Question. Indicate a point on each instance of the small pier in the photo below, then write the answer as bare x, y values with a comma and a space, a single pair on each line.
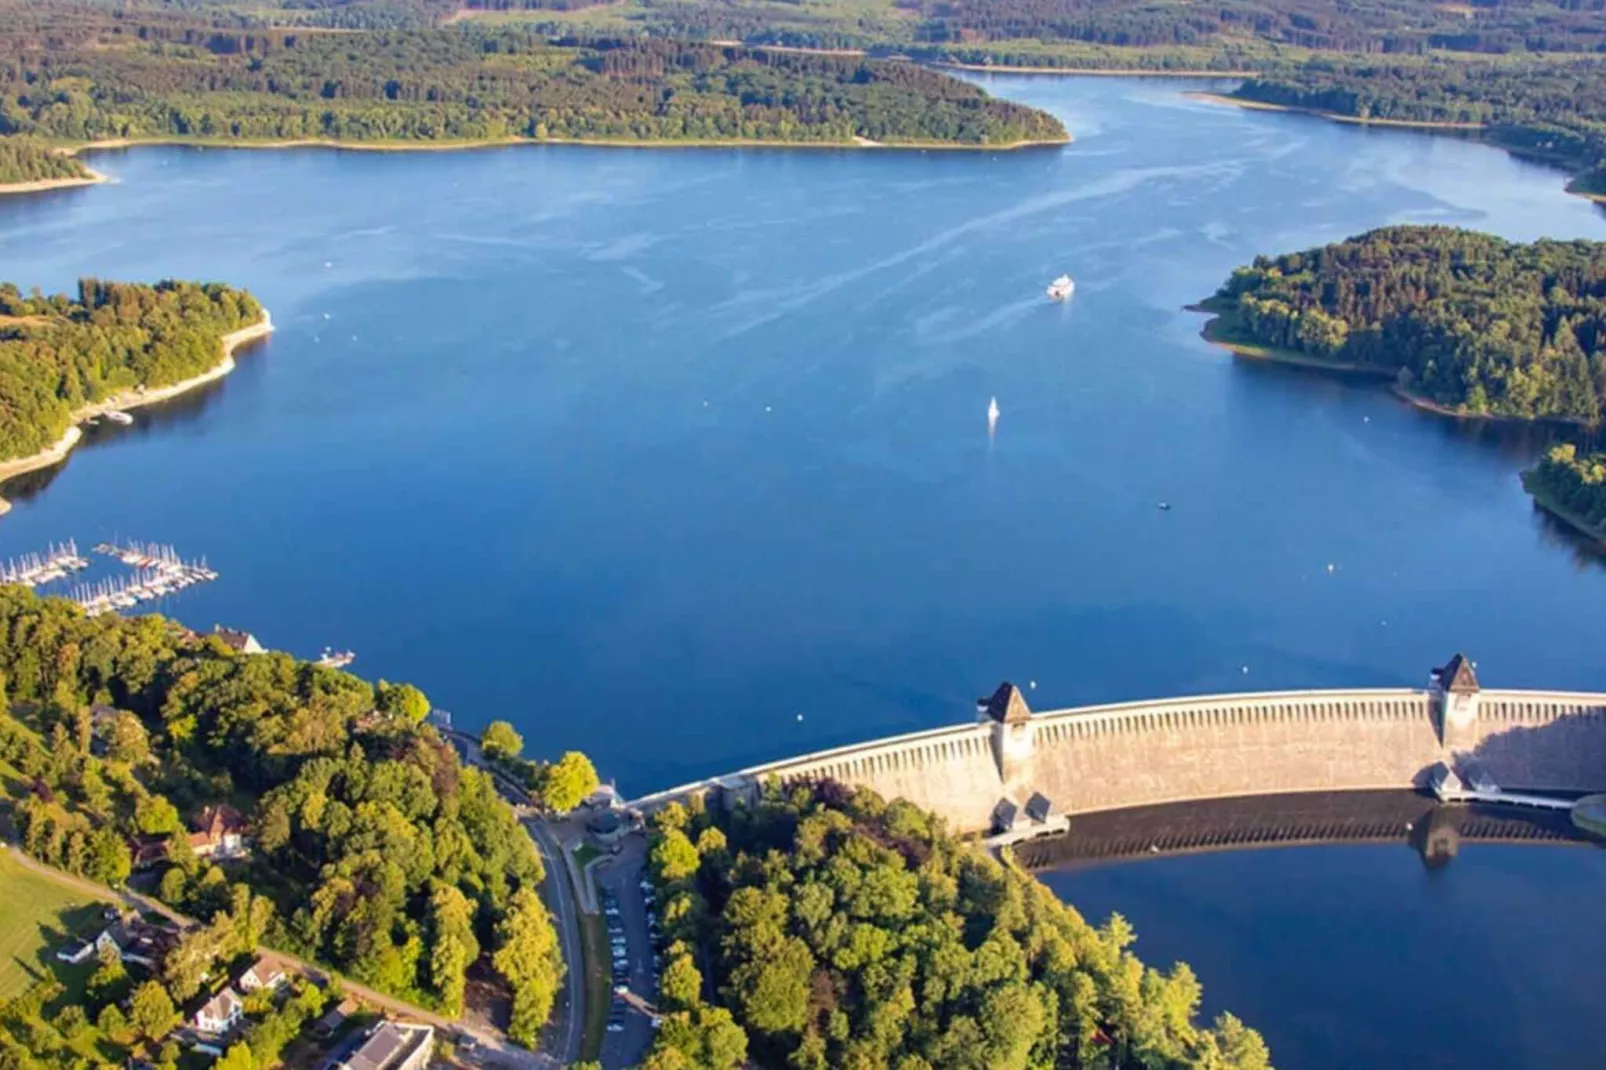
32, 570
335, 659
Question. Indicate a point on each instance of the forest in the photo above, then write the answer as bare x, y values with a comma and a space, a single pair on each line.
374, 848
475, 83
60, 352
842, 932
1572, 486
1553, 109
25, 159
1469, 322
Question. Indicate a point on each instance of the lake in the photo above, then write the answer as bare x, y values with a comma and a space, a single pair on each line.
681, 457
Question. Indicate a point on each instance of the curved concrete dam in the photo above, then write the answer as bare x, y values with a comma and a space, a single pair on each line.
1011, 766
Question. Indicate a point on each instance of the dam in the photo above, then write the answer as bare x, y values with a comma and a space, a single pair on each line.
1011, 768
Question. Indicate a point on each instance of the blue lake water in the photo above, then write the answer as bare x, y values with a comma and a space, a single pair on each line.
681, 456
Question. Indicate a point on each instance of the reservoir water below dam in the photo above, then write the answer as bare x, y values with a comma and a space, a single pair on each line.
681, 457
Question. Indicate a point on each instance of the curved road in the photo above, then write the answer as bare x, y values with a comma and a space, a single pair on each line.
571, 1008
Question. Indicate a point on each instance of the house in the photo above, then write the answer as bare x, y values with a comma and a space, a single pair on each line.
326, 1026
147, 851
134, 941
220, 1013
75, 951
218, 832
239, 642
392, 1046
262, 974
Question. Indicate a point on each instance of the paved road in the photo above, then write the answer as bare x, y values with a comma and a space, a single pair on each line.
571, 1009
621, 876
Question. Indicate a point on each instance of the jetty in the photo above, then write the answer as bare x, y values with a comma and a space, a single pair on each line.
335, 659
32, 570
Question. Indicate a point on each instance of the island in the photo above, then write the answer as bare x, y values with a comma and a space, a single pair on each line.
65, 360
824, 927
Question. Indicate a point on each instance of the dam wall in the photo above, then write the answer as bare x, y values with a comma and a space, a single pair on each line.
1012, 766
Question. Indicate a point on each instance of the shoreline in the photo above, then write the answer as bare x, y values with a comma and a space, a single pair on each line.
94, 178
1560, 512
1333, 116
131, 399
856, 143
1091, 72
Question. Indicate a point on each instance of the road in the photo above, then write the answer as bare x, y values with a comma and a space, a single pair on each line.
621, 876
571, 1008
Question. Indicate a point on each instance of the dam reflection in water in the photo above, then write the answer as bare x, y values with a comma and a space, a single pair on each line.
1434, 830
1365, 946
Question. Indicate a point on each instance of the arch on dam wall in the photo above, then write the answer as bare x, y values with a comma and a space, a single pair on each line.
1012, 766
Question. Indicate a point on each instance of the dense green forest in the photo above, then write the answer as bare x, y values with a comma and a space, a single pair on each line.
474, 83
1555, 109
60, 352
1467, 321
375, 848
1573, 486
24, 159
846, 933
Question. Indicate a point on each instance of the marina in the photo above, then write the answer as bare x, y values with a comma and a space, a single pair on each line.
32, 570
158, 571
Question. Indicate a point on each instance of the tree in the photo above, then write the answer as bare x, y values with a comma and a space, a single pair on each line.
673, 856
402, 700
72, 1021
151, 1012
108, 859
107, 983
568, 782
110, 1021
238, 1057
191, 959
681, 985
500, 741
527, 956
126, 739
154, 815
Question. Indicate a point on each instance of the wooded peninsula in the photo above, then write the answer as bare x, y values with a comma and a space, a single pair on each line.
843, 932
1464, 322
59, 353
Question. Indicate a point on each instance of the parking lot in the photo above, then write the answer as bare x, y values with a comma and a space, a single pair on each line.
629, 911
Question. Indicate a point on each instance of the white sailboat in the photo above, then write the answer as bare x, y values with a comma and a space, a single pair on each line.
1061, 288
992, 416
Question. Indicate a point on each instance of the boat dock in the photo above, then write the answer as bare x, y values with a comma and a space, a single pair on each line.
335, 659
32, 570
158, 572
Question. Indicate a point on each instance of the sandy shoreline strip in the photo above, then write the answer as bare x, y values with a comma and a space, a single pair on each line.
1090, 72
94, 178
132, 399
613, 143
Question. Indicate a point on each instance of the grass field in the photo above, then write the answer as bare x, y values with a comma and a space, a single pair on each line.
38, 915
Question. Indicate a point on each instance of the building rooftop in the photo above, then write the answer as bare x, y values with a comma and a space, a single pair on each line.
1006, 706
389, 1045
1457, 676
244, 642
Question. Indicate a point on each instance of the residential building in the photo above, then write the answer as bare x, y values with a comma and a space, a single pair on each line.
220, 1013
218, 832
75, 951
241, 642
392, 1046
262, 974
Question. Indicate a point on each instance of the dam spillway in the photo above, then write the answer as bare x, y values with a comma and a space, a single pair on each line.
1011, 761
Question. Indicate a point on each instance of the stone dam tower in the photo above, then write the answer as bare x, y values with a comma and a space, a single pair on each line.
1010, 764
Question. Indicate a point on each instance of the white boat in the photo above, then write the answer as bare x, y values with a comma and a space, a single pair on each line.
992, 415
1061, 288
117, 416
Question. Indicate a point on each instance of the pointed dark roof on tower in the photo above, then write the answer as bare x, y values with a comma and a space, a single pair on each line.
1457, 676
1007, 706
